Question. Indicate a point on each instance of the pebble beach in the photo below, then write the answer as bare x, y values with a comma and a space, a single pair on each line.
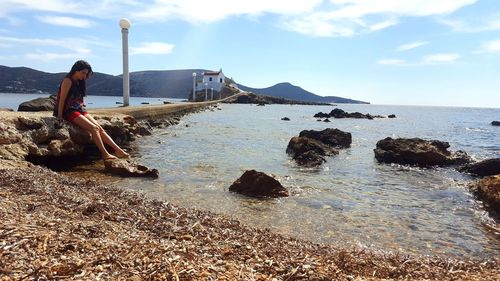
59, 227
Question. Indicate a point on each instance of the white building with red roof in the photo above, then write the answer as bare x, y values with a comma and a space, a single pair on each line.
211, 80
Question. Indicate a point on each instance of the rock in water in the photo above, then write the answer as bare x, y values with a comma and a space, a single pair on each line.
310, 146
127, 168
258, 184
488, 190
39, 104
329, 136
309, 152
484, 168
419, 152
495, 123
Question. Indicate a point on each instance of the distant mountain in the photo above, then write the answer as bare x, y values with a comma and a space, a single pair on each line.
289, 91
164, 83
27, 80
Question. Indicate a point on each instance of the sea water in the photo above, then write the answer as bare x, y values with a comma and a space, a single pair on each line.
12, 101
351, 199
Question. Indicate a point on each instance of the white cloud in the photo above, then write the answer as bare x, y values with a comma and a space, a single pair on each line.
359, 16
391, 62
490, 47
78, 44
8, 6
314, 17
413, 45
91, 8
361, 8
45, 57
425, 60
317, 26
13, 41
214, 10
66, 21
473, 27
383, 24
152, 48
317, 18
440, 58
78, 47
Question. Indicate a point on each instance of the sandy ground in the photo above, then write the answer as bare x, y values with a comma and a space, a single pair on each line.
59, 227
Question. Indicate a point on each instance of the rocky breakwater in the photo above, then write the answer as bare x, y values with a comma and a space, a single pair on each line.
38, 136
339, 113
310, 147
251, 98
416, 151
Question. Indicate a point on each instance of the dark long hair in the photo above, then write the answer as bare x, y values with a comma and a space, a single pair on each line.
81, 85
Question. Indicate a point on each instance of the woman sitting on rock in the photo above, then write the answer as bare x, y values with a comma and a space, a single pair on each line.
70, 106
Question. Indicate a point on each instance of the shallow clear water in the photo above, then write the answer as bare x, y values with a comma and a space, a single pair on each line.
12, 101
351, 199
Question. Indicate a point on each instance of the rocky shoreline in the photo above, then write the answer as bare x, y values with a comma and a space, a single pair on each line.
56, 227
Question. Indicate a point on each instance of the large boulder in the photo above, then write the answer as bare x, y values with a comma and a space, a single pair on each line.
127, 168
310, 146
488, 190
309, 159
329, 136
416, 151
38, 104
300, 145
258, 184
484, 168
309, 152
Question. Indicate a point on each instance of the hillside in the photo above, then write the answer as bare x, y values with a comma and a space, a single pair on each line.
289, 91
164, 83
27, 80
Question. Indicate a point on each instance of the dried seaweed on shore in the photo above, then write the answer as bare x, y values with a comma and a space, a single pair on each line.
57, 227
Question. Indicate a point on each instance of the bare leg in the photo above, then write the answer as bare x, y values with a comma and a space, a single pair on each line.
107, 139
88, 126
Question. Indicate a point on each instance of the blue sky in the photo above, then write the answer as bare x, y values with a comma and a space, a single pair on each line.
403, 52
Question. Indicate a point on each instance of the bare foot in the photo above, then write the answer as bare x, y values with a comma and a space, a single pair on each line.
109, 157
122, 154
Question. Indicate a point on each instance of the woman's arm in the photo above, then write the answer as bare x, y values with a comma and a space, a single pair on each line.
65, 86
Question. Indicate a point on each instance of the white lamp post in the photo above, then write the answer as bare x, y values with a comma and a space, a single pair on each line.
125, 25
206, 90
212, 95
194, 86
